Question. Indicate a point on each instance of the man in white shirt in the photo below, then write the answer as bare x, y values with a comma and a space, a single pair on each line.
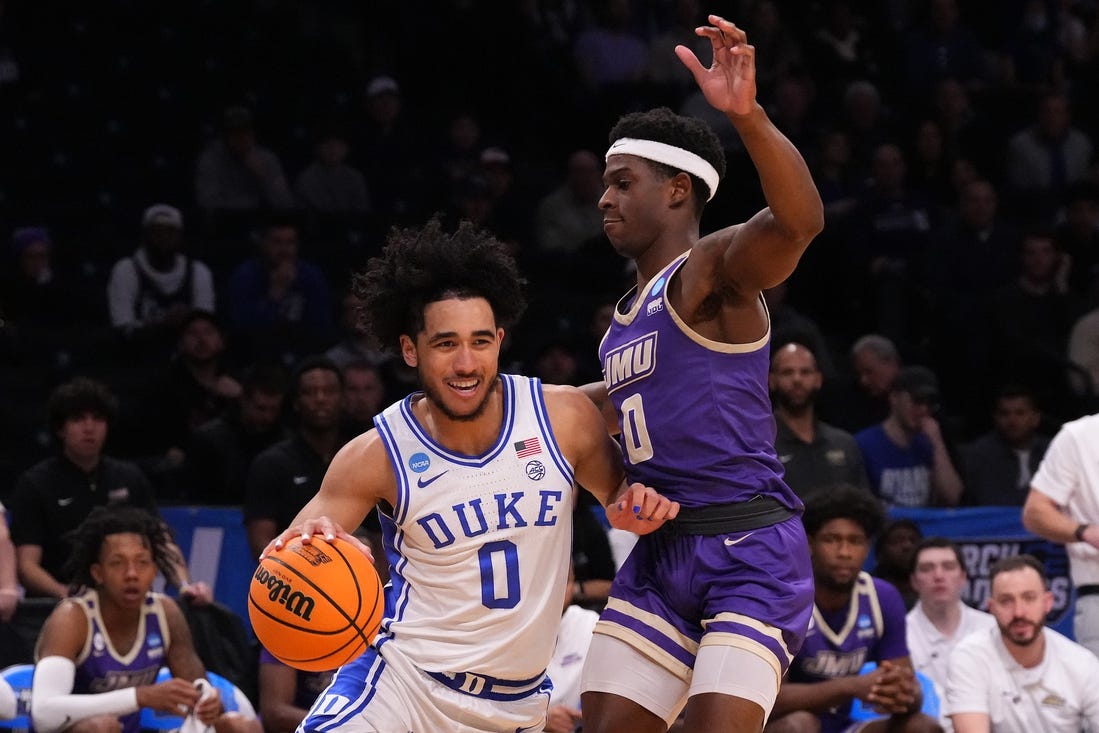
1021, 677
150, 292
940, 619
1063, 506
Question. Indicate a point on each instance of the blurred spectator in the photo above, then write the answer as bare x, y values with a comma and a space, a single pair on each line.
997, 467
569, 215
839, 51
1078, 237
34, 294
512, 209
665, 68
284, 477
940, 47
813, 453
790, 109
1047, 156
1030, 320
971, 257
773, 40
198, 386
866, 121
329, 185
967, 130
387, 147
930, 163
279, 304
906, 457
355, 343
54, 496
236, 173
790, 324
555, 360
875, 362
286, 694
894, 554
151, 291
363, 396
458, 156
610, 52
1083, 353
939, 619
890, 230
221, 450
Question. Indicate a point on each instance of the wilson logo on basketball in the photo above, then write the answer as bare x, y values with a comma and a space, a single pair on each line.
280, 592
311, 554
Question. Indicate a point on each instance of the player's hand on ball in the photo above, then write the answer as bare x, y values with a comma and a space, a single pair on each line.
321, 526
641, 509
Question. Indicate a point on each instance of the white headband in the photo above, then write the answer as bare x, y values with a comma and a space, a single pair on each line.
677, 158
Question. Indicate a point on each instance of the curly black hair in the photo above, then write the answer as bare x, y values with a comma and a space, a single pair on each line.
87, 541
843, 501
662, 125
420, 266
78, 396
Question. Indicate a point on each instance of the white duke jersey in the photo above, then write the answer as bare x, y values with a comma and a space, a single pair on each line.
478, 546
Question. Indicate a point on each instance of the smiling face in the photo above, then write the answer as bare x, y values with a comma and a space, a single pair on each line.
456, 355
125, 569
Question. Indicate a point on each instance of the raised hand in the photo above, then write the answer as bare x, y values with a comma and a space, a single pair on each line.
729, 84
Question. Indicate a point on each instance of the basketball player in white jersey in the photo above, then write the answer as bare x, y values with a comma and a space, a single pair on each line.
474, 478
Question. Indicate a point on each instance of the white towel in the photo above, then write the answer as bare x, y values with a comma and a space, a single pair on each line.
191, 724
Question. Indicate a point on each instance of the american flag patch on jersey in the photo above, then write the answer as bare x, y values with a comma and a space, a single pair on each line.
528, 447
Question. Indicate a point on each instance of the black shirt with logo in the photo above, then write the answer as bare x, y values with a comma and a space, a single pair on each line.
54, 496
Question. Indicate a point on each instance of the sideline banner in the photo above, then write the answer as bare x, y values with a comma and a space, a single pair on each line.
985, 534
216, 547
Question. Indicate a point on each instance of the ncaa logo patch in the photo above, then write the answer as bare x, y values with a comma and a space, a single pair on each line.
657, 286
419, 462
536, 470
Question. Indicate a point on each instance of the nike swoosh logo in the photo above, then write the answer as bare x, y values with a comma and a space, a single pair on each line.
65, 502
730, 543
422, 482
299, 480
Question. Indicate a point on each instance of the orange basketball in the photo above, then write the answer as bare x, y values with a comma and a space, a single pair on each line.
315, 606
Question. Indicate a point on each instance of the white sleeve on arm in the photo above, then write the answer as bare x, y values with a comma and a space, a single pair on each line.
967, 681
55, 707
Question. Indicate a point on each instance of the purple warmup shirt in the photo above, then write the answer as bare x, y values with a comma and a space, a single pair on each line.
102, 668
695, 415
870, 629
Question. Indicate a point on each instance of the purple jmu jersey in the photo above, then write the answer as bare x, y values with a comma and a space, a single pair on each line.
694, 415
102, 668
870, 629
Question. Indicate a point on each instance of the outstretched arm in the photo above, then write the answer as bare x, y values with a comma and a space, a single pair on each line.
763, 251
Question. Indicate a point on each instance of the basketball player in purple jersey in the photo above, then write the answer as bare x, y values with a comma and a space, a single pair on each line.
707, 612
856, 619
100, 650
